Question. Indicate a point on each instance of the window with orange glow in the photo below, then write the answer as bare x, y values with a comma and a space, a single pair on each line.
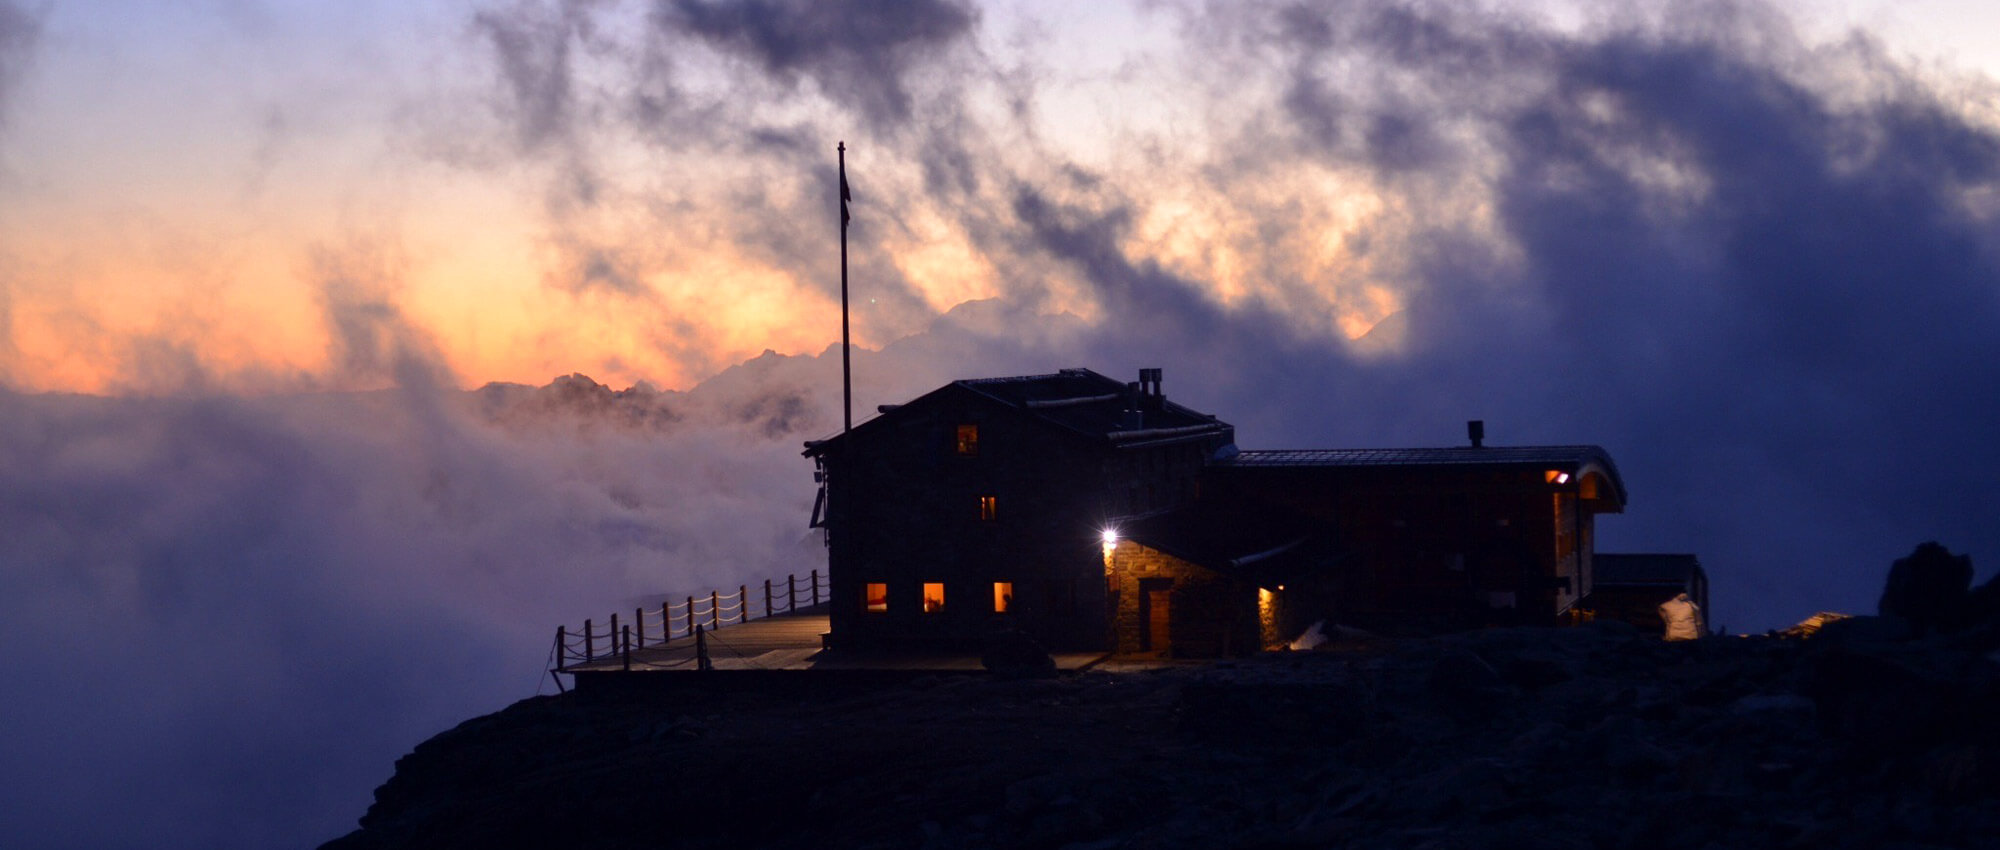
1003, 596
989, 508
968, 440
877, 596
933, 597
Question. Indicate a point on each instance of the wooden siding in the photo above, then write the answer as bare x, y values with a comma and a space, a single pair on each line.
905, 508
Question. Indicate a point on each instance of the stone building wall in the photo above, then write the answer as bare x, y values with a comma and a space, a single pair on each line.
1210, 614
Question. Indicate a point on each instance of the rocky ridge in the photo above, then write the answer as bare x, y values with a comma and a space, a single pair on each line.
1864, 735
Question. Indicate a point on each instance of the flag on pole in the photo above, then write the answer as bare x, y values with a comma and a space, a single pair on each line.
845, 195
846, 342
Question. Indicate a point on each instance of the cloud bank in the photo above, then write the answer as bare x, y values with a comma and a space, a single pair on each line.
230, 615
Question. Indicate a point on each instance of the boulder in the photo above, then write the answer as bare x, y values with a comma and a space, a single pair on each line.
1013, 654
1928, 588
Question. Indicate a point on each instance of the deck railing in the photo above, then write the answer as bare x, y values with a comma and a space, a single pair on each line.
616, 640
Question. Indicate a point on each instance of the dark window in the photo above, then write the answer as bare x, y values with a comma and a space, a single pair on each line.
968, 440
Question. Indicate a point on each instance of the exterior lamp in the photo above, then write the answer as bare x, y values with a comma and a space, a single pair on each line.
1111, 537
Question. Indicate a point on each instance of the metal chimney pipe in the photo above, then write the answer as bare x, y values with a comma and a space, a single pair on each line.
1476, 429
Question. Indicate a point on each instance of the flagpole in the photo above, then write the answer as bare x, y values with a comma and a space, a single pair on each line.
846, 347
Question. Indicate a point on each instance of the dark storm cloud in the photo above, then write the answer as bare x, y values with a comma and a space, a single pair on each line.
1757, 270
1142, 300
1383, 83
533, 49
572, 79
370, 340
538, 51
1824, 307
1769, 293
892, 64
859, 48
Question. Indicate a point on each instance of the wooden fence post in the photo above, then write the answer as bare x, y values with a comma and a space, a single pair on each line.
639, 617
743, 602
791, 592
767, 598
701, 661
628, 649
589, 651
562, 649
714, 609
815, 578
613, 634
666, 622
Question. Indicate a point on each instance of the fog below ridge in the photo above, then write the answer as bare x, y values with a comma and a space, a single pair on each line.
230, 615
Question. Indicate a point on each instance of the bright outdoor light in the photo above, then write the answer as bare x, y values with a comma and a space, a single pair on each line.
1111, 537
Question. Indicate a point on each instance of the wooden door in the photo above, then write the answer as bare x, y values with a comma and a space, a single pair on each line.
1155, 613
1157, 634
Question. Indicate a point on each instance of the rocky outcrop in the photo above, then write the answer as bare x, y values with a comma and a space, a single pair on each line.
1859, 732
1929, 589
1596, 736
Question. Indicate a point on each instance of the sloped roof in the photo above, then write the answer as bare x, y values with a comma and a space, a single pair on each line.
1089, 403
1081, 401
1566, 457
1453, 456
1263, 543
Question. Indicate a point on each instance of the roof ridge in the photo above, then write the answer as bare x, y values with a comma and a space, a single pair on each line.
1078, 372
1485, 448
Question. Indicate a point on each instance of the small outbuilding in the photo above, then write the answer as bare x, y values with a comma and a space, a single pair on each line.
1631, 587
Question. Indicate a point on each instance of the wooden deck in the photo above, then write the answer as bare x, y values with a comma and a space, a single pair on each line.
794, 642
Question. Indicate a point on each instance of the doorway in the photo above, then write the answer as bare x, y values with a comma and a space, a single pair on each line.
1155, 614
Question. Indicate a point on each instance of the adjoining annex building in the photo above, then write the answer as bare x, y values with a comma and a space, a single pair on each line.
1094, 514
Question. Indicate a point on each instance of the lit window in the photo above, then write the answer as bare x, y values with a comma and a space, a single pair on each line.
877, 596
1556, 476
968, 440
1003, 596
933, 597
988, 508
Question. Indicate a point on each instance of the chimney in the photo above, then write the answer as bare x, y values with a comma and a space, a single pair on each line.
1150, 394
1476, 429
1134, 417
1149, 380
